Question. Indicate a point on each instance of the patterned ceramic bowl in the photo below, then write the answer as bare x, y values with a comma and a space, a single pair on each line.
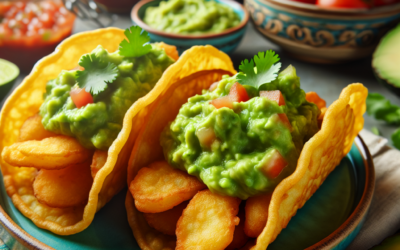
321, 35
226, 41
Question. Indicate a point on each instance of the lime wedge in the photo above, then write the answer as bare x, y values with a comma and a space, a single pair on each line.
8, 73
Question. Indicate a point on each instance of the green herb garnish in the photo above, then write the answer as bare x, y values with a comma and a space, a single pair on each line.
137, 44
266, 69
381, 108
96, 74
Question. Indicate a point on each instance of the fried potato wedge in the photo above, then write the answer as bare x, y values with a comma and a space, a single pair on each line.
160, 187
33, 129
50, 153
165, 222
239, 236
67, 187
99, 160
208, 222
256, 214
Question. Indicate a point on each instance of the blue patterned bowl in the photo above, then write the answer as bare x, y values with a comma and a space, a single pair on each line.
321, 35
226, 41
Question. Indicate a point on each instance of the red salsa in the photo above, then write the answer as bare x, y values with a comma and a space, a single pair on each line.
31, 30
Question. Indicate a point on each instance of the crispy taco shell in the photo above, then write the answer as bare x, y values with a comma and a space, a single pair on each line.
320, 155
25, 101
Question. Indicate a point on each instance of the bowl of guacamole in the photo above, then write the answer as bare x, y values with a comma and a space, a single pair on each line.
186, 23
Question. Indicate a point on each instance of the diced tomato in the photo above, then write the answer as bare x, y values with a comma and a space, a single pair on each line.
80, 97
206, 136
284, 119
213, 86
274, 166
222, 102
237, 93
274, 95
343, 3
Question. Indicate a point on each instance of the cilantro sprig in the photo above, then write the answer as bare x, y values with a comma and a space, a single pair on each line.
267, 69
97, 73
381, 108
137, 44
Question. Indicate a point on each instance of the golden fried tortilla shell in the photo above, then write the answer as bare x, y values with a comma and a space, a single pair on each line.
321, 154
25, 101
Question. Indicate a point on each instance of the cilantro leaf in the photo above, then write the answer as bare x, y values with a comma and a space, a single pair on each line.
266, 69
396, 138
137, 44
96, 75
381, 108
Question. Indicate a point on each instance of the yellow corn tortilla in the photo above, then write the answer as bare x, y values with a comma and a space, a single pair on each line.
27, 98
321, 154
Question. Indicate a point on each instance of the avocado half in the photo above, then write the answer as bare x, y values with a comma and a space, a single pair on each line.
386, 60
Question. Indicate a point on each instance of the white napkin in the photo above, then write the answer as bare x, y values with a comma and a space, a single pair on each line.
383, 218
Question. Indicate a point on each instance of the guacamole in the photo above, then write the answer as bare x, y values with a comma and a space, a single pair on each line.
97, 124
195, 17
244, 138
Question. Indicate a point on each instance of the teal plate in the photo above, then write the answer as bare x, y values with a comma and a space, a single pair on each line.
329, 220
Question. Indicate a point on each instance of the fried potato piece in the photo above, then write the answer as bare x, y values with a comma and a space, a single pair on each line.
50, 153
239, 237
99, 159
165, 222
159, 187
314, 98
33, 129
208, 222
170, 50
66, 187
256, 214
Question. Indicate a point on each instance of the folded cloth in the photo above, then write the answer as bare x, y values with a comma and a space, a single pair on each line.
383, 218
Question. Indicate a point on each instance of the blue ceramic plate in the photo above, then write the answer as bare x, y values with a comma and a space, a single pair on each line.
330, 219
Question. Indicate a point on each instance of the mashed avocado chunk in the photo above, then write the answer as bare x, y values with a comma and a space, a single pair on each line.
230, 149
194, 17
97, 124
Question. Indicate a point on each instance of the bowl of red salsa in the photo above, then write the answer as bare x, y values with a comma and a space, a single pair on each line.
31, 30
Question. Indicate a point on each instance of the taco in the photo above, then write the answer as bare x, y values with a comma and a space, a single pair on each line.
227, 167
68, 130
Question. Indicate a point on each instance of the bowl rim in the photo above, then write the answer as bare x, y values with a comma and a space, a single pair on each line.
395, 7
329, 241
137, 20
361, 210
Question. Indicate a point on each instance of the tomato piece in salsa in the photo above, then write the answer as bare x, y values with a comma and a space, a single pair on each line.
274, 166
31, 30
206, 137
80, 97
284, 119
274, 95
237, 93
